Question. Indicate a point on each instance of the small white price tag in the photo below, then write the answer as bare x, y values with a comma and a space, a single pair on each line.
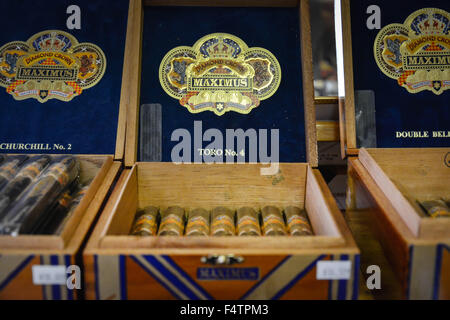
334, 270
49, 275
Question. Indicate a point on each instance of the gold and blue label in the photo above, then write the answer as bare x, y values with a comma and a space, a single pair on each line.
417, 52
50, 65
219, 73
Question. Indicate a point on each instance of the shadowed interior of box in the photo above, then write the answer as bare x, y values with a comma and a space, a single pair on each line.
409, 177
92, 172
209, 186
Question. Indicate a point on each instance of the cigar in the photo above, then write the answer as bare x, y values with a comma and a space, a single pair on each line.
55, 215
248, 222
9, 169
198, 223
172, 222
436, 208
2, 158
76, 199
273, 222
222, 222
297, 222
31, 208
145, 223
30, 170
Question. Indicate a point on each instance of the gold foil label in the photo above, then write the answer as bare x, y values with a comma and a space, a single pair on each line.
220, 74
50, 65
417, 52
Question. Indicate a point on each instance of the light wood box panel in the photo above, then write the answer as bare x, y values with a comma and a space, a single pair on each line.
417, 247
208, 186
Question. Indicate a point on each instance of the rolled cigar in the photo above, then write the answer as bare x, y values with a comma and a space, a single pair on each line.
172, 222
32, 207
297, 222
273, 222
76, 199
9, 169
222, 222
55, 215
248, 222
198, 223
436, 208
2, 158
30, 170
145, 223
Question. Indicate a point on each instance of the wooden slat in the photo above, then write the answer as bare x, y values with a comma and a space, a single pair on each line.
223, 3
325, 100
279, 243
308, 84
133, 71
327, 131
349, 107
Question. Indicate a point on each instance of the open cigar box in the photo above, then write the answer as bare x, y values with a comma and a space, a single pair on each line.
272, 37
395, 110
61, 80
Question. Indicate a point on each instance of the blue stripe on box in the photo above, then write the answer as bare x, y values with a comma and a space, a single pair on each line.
171, 277
155, 277
265, 278
56, 289
187, 277
16, 272
123, 278
297, 278
69, 292
342, 284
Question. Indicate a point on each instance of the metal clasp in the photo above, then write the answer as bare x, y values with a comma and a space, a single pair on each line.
216, 259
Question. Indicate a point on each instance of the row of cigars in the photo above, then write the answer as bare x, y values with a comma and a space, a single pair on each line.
221, 221
38, 194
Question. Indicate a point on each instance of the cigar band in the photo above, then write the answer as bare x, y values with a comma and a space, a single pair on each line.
6, 175
248, 220
144, 229
246, 231
145, 219
225, 230
8, 171
197, 222
65, 200
59, 174
273, 219
172, 219
295, 220
223, 220
440, 213
31, 171
272, 228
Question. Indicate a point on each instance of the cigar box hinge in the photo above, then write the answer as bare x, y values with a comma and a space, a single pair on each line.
229, 259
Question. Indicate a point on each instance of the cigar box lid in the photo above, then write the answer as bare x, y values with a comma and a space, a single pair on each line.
206, 71
394, 73
61, 68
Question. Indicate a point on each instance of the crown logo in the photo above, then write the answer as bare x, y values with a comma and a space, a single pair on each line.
52, 43
430, 24
221, 49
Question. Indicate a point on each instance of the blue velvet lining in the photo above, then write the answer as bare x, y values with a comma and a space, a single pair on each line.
89, 121
275, 29
396, 109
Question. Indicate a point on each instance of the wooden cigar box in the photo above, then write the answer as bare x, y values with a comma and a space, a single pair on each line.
45, 112
395, 112
120, 266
